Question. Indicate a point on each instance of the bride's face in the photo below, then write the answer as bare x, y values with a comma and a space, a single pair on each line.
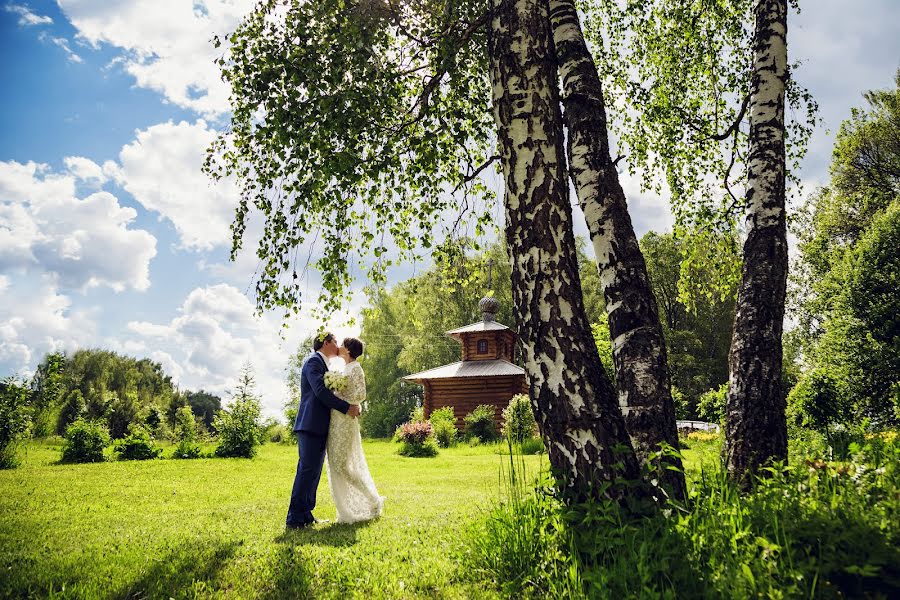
343, 353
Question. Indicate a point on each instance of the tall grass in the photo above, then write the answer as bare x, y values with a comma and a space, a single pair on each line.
814, 530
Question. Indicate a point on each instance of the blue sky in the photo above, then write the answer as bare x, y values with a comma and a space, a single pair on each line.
109, 234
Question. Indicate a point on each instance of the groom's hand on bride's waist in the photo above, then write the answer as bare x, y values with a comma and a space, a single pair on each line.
353, 411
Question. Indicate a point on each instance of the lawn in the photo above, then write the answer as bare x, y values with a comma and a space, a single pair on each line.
215, 527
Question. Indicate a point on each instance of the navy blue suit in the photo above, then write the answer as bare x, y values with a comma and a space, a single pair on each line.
311, 425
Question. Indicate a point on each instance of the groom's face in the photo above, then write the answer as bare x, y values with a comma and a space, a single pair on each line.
330, 348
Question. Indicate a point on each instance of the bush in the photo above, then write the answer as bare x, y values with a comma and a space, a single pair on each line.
85, 442
416, 439
532, 445
137, 445
186, 432
73, 407
518, 420
480, 424
711, 407
239, 430
15, 421
443, 422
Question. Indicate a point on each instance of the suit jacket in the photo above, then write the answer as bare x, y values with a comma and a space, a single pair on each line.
316, 400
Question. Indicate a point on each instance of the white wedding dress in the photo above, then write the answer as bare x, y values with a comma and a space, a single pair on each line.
352, 488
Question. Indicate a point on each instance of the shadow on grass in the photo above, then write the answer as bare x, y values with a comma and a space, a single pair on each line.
194, 565
336, 534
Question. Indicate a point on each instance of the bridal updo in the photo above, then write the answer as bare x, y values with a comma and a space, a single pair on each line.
354, 347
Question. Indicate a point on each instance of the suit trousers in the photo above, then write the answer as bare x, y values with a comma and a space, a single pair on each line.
311, 450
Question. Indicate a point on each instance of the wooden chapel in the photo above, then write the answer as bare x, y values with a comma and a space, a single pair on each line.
485, 375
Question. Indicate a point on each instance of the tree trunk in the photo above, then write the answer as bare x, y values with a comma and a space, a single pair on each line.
639, 350
572, 397
755, 425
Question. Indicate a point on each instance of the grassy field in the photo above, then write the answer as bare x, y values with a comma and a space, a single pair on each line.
215, 527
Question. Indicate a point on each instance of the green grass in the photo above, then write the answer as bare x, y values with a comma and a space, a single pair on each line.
215, 527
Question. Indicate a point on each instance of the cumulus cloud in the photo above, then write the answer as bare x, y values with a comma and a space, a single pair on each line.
161, 169
26, 17
84, 169
167, 43
36, 319
81, 242
215, 333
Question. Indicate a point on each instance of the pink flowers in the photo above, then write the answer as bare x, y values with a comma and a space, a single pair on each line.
415, 432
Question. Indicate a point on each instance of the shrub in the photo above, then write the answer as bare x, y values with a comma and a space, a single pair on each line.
823, 530
711, 407
480, 424
137, 445
443, 422
239, 430
281, 434
15, 421
703, 436
186, 432
518, 420
532, 445
85, 442
73, 407
416, 439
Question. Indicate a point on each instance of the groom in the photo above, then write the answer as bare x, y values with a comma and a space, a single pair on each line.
311, 427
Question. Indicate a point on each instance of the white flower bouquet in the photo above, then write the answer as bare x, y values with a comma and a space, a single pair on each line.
335, 382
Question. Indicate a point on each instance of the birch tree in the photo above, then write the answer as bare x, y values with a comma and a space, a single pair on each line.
365, 122
704, 95
573, 398
639, 350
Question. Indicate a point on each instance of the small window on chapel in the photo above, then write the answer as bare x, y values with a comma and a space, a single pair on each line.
482, 346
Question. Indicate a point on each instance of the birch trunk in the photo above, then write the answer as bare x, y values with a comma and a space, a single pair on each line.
639, 351
572, 397
755, 426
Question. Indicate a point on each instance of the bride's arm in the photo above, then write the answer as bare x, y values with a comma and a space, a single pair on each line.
357, 381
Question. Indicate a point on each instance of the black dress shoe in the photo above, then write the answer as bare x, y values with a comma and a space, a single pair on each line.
293, 526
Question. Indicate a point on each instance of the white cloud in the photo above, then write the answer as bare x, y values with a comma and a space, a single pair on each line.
215, 333
62, 43
84, 169
167, 43
34, 320
26, 17
161, 169
81, 242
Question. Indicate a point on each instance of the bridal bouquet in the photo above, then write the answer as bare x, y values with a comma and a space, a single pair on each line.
335, 381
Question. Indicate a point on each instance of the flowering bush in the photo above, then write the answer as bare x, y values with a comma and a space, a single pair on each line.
416, 439
703, 436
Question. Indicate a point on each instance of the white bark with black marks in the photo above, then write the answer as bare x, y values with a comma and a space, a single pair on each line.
755, 425
572, 397
639, 351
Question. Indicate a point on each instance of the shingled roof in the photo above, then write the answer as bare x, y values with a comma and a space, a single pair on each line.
469, 368
479, 326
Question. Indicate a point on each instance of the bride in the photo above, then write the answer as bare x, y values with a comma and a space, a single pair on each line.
352, 488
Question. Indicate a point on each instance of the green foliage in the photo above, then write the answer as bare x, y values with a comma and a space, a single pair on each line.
15, 420
844, 289
85, 441
518, 419
815, 530
187, 434
531, 445
392, 111
480, 424
239, 428
680, 100
417, 439
73, 407
121, 412
696, 299
600, 331
137, 445
48, 388
711, 407
817, 401
404, 326
443, 423
205, 406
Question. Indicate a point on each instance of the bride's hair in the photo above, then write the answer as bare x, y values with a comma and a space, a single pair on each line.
354, 347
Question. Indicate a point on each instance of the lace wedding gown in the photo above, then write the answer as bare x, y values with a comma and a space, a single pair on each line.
352, 488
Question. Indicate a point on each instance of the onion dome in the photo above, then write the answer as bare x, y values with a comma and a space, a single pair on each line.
489, 307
